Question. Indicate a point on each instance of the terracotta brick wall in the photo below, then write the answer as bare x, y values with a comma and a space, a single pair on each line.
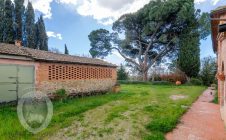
74, 78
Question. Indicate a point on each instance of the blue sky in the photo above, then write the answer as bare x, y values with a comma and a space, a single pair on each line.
71, 21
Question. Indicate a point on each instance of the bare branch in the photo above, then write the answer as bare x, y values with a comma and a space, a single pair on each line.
141, 42
161, 54
152, 37
126, 58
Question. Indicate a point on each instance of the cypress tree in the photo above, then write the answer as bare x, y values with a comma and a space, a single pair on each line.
1, 19
19, 10
8, 32
37, 42
30, 26
189, 53
65, 49
42, 38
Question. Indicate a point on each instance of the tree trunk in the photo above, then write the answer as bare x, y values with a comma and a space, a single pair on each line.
188, 79
145, 76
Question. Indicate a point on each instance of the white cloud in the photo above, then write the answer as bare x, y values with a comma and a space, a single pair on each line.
74, 2
107, 11
54, 35
213, 2
42, 6
199, 1
104, 11
115, 53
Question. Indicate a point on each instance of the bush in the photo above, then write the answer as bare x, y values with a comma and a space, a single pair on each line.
59, 94
174, 77
196, 82
145, 83
215, 100
156, 78
133, 82
161, 83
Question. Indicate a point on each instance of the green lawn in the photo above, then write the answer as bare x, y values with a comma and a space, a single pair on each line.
138, 112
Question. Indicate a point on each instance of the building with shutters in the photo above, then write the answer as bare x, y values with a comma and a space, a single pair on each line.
23, 68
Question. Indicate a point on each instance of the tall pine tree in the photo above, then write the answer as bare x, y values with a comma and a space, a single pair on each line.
1, 19
19, 11
30, 26
65, 49
8, 32
42, 38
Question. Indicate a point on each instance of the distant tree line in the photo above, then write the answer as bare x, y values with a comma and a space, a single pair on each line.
17, 22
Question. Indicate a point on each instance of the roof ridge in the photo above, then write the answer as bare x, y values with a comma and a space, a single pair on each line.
60, 53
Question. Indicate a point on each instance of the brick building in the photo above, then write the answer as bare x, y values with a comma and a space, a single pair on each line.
218, 23
23, 68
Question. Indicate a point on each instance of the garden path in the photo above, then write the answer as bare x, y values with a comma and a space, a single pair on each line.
201, 122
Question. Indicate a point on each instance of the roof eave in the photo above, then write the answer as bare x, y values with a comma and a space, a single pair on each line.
68, 62
214, 27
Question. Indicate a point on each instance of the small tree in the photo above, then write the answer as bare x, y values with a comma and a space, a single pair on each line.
208, 70
65, 49
122, 74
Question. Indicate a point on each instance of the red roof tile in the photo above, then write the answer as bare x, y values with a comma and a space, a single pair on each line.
39, 55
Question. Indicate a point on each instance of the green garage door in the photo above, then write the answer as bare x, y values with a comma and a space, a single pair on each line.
15, 81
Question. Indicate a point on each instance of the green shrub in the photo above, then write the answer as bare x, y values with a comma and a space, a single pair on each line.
196, 82
145, 83
61, 93
161, 83
133, 82
215, 100
156, 78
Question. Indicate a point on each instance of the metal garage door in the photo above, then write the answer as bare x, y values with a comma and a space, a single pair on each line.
14, 81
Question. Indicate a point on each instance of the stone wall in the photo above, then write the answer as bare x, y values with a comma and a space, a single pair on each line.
78, 86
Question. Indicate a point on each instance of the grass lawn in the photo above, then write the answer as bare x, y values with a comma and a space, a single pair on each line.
138, 112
